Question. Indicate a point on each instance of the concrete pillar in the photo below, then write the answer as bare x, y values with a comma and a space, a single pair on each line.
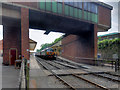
95, 41
11, 40
25, 32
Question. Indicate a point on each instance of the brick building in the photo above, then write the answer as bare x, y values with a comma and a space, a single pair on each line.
32, 45
1, 47
109, 36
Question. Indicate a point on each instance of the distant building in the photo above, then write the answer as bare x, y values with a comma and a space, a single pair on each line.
32, 44
108, 36
57, 48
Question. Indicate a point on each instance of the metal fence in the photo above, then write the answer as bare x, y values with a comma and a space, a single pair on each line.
24, 75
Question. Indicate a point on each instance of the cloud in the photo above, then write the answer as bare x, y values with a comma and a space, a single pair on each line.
41, 38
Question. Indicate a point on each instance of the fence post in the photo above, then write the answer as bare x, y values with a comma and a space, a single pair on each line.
116, 65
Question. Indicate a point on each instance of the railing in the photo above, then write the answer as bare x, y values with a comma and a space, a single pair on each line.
112, 63
24, 75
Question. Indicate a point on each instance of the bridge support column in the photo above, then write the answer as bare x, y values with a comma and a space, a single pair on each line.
25, 33
11, 44
95, 41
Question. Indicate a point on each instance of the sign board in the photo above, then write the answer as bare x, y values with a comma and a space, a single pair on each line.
98, 55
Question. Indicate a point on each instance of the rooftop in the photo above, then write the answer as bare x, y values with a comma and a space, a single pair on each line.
108, 34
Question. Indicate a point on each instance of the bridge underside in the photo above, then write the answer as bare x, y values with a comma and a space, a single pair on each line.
19, 28
50, 22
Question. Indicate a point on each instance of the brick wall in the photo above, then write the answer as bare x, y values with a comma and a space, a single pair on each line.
104, 16
25, 32
11, 39
1, 47
79, 48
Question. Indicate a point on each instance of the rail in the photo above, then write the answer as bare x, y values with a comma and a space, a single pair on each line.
59, 78
65, 82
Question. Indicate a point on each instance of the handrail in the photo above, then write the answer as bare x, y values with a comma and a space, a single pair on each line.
23, 76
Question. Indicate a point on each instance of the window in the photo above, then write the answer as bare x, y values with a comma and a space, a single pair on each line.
85, 15
75, 12
42, 5
94, 8
54, 7
66, 1
85, 6
59, 0
59, 8
75, 4
89, 16
80, 5
48, 6
89, 6
66, 10
71, 11
80, 13
71, 2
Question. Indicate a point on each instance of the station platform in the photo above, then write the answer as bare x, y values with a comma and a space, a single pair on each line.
9, 76
41, 78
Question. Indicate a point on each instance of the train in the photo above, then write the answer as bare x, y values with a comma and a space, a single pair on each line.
47, 53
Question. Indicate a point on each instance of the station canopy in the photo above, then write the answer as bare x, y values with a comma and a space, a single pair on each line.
32, 44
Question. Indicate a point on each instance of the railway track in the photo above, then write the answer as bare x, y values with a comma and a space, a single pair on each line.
112, 74
66, 83
59, 78
107, 76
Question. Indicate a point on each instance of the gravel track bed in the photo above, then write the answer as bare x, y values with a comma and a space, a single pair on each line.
77, 83
110, 76
58, 65
48, 65
59, 60
40, 64
101, 81
53, 82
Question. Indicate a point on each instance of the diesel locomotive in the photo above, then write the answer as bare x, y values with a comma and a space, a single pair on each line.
47, 53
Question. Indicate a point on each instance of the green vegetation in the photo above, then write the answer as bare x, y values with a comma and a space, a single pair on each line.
43, 46
108, 43
109, 47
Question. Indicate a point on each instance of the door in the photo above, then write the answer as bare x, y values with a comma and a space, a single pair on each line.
12, 56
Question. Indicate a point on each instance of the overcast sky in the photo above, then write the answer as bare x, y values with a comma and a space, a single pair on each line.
38, 35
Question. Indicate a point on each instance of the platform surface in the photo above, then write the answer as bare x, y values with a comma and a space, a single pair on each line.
10, 76
39, 77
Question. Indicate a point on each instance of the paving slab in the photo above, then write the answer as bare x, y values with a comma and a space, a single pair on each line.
10, 76
39, 77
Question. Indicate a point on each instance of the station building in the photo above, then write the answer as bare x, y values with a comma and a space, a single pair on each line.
109, 36
13, 51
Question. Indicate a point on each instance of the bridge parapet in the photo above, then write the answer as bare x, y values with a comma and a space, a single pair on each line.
92, 12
